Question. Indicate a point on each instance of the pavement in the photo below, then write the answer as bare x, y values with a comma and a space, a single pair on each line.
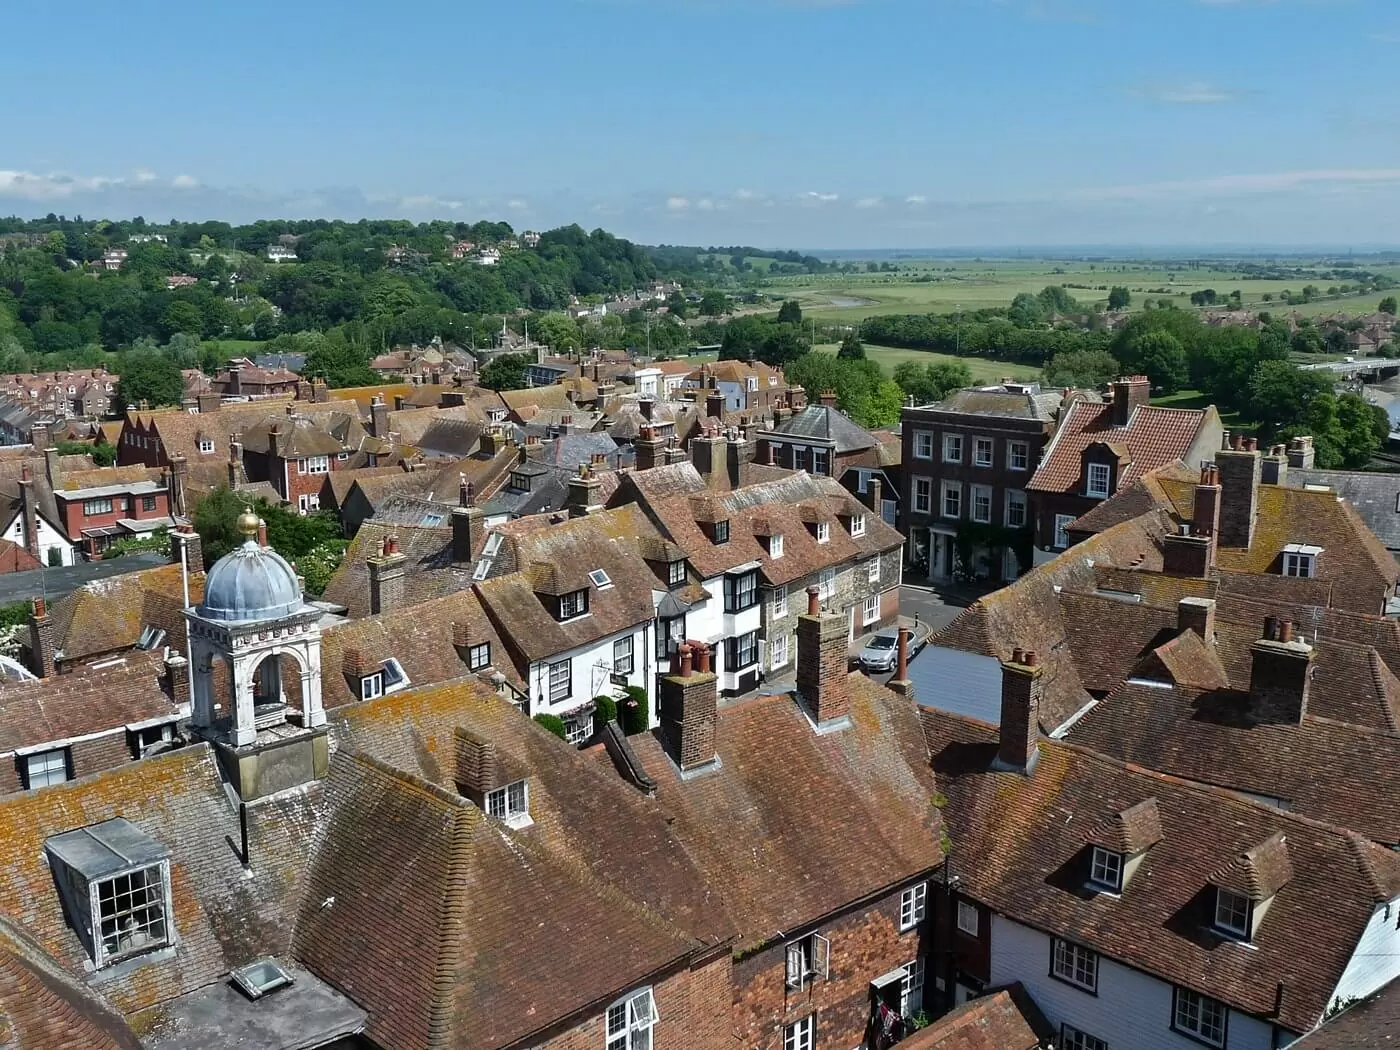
54, 583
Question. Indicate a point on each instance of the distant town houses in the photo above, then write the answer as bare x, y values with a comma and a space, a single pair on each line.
280, 253
114, 258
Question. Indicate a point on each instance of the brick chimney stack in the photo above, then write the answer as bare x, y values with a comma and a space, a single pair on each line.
388, 573
208, 402
1239, 498
875, 495
235, 462
41, 647
179, 475
828, 399
823, 682
714, 403
40, 437
1280, 674
1128, 393
1301, 454
379, 417
467, 520
1190, 552
1019, 746
649, 447
1197, 614
28, 511
686, 710
1273, 469
177, 670
585, 492
186, 539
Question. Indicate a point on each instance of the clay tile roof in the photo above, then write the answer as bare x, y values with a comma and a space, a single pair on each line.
1190, 661
43, 1008
1372, 1024
771, 761
1259, 872
1005, 1020
108, 615
432, 572
84, 702
1129, 831
1033, 825
1152, 438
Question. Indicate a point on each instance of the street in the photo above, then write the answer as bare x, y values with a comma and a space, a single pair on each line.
924, 605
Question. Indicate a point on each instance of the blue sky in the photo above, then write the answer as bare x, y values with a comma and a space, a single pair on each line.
781, 123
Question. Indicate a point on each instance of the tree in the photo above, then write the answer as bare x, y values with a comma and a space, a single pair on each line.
1082, 368
1026, 311
790, 312
149, 376
1387, 305
1347, 431
676, 305
1281, 394
714, 304
1119, 298
506, 372
879, 407
339, 364
1160, 356
851, 348
102, 455
933, 382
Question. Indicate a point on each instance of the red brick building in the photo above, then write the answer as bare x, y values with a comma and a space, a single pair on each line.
1101, 449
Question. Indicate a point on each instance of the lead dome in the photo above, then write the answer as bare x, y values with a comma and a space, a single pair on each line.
250, 583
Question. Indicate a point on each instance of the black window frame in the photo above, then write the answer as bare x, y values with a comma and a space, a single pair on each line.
675, 572
736, 660
732, 591
579, 596
475, 664
720, 531
663, 634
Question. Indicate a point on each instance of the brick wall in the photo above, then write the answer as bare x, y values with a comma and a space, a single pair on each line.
864, 945
693, 1006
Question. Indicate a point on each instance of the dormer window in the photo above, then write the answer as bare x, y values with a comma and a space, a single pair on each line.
823, 531
675, 572
115, 884
519, 482
1232, 914
390, 678
510, 804
573, 604
1300, 559
1106, 870
206, 446
775, 545
721, 531
858, 525
1099, 476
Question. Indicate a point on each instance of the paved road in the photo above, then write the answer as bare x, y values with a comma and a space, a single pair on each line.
56, 582
933, 610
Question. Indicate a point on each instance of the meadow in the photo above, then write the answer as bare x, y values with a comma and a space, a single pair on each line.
946, 286
984, 370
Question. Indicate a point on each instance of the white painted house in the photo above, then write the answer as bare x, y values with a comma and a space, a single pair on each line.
1146, 912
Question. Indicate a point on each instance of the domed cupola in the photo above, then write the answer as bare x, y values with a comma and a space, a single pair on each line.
253, 614
250, 583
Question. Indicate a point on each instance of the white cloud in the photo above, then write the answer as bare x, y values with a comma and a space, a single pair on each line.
144, 176
865, 203
677, 203
184, 182
820, 198
1186, 93
705, 204
26, 185
1272, 182
518, 205
916, 198
424, 200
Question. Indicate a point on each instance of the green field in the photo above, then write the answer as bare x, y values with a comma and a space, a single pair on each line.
231, 348
985, 371
1196, 399
944, 286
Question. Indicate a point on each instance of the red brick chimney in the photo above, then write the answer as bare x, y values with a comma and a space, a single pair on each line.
1280, 674
828, 399
1197, 614
41, 647
1240, 474
1128, 393
177, 670
28, 512
388, 574
686, 710
823, 681
1019, 748
901, 682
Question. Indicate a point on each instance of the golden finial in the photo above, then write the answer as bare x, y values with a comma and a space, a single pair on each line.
248, 523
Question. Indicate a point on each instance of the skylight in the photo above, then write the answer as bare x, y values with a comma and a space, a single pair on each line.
600, 579
261, 977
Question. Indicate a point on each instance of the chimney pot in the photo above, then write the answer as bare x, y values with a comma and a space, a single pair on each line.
262, 533
814, 601
686, 660
703, 652
1032, 658
1018, 655
1285, 631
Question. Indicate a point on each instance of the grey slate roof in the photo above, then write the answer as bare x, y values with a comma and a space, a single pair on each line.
1039, 405
1376, 497
830, 424
549, 486
573, 449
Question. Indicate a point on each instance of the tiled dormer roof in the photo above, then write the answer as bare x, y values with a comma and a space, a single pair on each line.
1161, 922
1153, 437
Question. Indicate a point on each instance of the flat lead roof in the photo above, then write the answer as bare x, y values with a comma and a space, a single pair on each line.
107, 848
